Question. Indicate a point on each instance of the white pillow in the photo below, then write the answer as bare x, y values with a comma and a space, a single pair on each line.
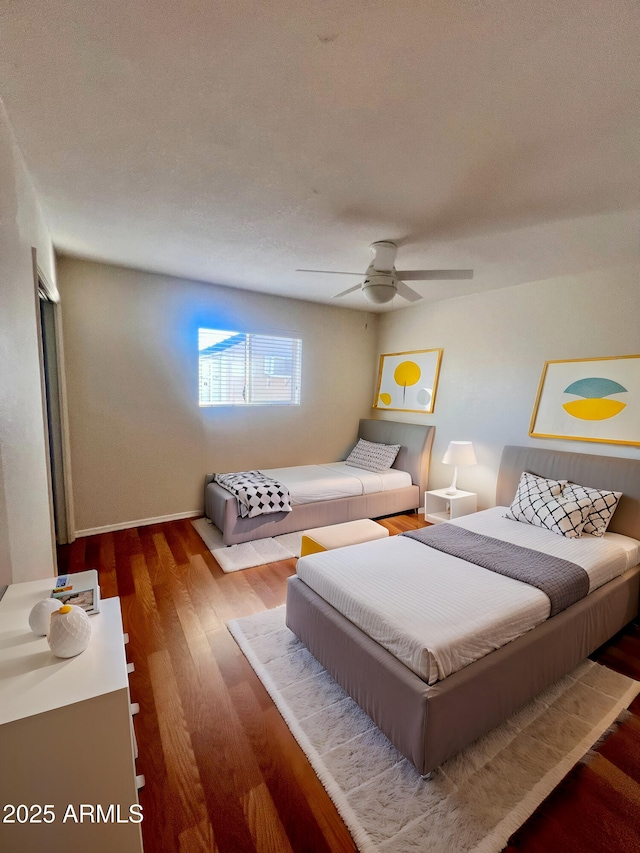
604, 505
372, 456
565, 514
529, 488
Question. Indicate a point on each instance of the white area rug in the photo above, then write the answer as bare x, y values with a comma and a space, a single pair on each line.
474, 801
234, 558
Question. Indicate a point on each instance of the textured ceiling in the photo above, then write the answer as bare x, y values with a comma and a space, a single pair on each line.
236, 141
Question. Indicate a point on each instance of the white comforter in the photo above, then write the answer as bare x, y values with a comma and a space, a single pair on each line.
310, 483
437, 613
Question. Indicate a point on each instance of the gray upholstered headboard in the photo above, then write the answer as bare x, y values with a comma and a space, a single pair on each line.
415, 442
604, 472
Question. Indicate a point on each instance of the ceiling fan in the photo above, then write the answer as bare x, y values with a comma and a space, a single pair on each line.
382, 281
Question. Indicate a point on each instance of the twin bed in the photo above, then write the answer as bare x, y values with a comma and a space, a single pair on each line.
333, 493
438, 650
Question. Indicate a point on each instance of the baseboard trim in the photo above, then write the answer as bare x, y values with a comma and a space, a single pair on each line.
141, 522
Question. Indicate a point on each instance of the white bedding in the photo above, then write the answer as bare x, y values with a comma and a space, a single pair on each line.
310, 483
437, 613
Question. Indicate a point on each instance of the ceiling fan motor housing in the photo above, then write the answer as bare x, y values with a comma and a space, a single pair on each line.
384, 256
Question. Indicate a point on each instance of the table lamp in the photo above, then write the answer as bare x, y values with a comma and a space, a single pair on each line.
459, 453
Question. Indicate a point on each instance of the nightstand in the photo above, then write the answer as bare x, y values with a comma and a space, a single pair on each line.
439, 506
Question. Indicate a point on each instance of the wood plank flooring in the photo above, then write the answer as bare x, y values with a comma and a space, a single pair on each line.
223, 773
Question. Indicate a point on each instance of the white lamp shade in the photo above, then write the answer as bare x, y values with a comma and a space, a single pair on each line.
459, 453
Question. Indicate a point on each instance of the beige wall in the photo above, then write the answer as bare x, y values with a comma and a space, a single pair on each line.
26, 541
140, 444
495, 345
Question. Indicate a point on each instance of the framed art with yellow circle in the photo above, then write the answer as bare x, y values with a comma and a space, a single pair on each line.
408, 381
593, 399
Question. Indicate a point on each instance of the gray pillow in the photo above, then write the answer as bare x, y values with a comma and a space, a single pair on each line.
372, 456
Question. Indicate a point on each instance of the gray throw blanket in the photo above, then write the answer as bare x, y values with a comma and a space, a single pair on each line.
562, 581
256, 493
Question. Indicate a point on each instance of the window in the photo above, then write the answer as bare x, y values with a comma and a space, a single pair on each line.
238, 369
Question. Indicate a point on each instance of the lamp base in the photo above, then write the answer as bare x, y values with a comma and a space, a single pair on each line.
453, 490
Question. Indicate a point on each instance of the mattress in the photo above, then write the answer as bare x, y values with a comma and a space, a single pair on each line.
437, 613
593, 553
311, 483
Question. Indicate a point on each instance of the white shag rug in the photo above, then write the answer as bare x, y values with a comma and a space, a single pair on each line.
473, 802
246, 555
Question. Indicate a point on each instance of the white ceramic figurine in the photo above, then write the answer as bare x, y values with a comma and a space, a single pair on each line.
70, 631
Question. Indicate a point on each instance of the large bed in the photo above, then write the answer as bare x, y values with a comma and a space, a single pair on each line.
415, 440
432, 706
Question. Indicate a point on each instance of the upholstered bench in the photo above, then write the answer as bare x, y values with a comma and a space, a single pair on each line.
339, 535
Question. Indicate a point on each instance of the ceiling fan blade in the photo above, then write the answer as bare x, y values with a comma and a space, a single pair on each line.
344, 292
434, 275
332, 272
407, 292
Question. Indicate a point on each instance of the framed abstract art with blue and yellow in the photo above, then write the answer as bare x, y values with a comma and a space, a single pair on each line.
594, 399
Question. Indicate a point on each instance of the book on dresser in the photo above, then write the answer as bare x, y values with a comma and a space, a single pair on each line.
81, 588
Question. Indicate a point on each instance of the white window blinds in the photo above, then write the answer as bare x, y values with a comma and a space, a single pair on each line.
238, 368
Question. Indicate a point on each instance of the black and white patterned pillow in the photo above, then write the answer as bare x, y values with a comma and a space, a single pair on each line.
563, 514
372, 456
530, 488
604, 504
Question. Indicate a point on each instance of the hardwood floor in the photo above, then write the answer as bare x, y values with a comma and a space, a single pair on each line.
223, 773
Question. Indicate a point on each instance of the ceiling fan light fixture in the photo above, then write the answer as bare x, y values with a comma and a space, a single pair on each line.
383, 281
379, 289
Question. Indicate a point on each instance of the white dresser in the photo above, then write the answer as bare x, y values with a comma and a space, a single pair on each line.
66, 736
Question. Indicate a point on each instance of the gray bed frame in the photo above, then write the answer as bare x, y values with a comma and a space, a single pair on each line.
429, 724
415, 441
